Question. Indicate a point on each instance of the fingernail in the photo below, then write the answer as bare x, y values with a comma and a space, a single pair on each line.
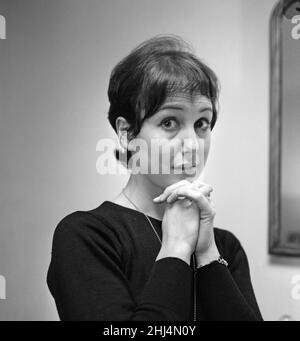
156, 199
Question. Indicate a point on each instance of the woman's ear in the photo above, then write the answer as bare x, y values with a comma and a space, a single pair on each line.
122, 127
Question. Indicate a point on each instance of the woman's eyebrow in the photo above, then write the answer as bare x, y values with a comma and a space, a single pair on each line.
180, 107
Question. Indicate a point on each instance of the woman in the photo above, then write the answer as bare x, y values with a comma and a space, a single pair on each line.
152, 253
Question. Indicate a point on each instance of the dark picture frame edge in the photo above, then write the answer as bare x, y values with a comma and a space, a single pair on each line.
276, 245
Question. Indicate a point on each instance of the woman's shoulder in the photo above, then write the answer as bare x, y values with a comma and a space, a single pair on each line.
96, 221
102, 214
83, 234
227, 243
226, 236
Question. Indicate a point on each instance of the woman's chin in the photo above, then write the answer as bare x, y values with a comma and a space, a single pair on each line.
191, 176
188, 173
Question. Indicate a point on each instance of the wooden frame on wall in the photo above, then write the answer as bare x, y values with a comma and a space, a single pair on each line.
277, 246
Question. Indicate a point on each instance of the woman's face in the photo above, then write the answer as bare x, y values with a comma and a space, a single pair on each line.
178, 133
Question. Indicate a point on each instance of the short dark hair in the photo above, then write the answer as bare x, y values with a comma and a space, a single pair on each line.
162, 66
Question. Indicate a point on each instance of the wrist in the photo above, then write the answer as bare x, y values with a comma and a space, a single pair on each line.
210, 255
182, 252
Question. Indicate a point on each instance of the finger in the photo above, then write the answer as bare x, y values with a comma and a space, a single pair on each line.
199, 184
199, 196
187, 202
209, 195
172, 197
168, 190
205, 190
172, 193
210, 212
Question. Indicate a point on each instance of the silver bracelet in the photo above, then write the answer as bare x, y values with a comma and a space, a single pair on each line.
219, 260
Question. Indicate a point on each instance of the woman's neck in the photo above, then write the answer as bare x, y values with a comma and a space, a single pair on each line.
142, 192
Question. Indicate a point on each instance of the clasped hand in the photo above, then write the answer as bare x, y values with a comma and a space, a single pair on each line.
198, 192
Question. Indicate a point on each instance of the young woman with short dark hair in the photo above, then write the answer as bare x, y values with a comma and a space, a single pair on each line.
152, 253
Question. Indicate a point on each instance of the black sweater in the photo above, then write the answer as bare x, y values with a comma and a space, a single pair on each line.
103, 268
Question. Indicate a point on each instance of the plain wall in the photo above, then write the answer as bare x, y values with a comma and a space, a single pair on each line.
54, 71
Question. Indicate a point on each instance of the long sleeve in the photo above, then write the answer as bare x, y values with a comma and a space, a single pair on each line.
226, 294
86, 278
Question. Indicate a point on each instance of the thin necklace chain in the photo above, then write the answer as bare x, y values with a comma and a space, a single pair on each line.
143, 214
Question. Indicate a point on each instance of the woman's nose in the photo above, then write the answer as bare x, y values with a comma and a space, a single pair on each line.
191, 145
190, 140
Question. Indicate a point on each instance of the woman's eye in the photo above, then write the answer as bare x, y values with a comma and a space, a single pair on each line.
172, 123
168, 123
206, 125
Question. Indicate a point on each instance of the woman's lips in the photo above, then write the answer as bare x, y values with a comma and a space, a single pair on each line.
186, 170
186, 166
